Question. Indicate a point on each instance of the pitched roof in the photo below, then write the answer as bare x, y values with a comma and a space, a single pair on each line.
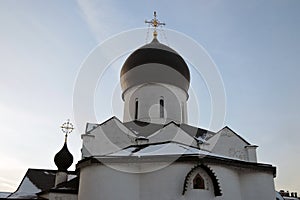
196, 132
35, 181
146, 129
165, 148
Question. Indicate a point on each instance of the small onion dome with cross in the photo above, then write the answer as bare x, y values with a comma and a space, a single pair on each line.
64, 159
155, 63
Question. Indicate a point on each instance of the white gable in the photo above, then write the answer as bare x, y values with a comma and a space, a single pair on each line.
227, 143
106, 138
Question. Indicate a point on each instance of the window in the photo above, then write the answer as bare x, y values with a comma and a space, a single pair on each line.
198, 182
136, 108
201, 179
182, 112
161, 106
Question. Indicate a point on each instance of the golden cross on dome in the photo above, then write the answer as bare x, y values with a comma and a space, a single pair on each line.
67, 128
155, 23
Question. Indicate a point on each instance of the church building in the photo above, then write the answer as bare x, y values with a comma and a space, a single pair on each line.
153, 152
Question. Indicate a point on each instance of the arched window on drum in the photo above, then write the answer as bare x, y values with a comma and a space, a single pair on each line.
136, 111
161, 107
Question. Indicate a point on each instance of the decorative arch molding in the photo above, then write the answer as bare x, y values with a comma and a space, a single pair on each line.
210, 173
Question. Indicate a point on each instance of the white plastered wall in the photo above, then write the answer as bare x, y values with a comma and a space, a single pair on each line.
148, 97
61, 196
99, 182
229, 144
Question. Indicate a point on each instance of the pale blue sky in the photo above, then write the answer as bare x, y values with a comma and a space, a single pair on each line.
255, 45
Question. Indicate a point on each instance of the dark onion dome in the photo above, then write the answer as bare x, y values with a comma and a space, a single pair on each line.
155, 63
63, 159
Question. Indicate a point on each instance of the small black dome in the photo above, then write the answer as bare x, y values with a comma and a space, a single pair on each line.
63, 159
155, 62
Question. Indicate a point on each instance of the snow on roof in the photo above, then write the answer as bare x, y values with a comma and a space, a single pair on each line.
35, 181
290, 198
165, 149
4, 194
71, 176
26, 190
169, 148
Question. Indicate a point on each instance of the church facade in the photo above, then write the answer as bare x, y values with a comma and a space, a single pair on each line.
153, 153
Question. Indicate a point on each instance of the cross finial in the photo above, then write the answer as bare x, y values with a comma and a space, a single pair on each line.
67, 128
155, 23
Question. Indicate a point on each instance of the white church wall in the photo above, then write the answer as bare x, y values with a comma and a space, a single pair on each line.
229, 182
244, 184
257, 185
166, 183
148, 97
227, 143
101, 182
98, 182
61, 196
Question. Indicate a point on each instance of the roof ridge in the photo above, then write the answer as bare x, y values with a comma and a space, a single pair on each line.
243, 139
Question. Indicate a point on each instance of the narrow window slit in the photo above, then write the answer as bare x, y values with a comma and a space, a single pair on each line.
162, 104
136, 109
